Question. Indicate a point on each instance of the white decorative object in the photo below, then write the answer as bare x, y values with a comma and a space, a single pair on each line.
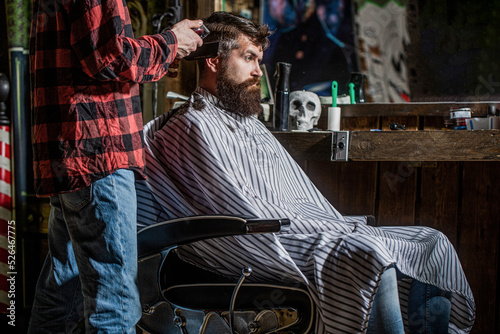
334, 118
305, 109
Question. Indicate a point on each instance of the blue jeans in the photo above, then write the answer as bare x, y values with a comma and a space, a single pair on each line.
385, 316
428, 308
92, 255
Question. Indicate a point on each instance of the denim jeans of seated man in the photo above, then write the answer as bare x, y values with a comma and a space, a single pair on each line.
428, 308
92, 253
385, 316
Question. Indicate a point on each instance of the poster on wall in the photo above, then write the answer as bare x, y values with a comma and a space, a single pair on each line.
383, 36
317, 37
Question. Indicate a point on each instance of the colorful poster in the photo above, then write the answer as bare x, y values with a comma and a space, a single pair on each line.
317, 38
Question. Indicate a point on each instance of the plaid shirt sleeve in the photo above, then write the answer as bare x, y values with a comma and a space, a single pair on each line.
99, 39
85, 69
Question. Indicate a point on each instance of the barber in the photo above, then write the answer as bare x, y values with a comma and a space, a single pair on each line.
86, 67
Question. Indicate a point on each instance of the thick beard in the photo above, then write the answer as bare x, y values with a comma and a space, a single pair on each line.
242, 99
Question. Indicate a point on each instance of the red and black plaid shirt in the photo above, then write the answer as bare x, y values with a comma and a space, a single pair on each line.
86, 68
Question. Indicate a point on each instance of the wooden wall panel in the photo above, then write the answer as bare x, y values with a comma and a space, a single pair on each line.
434, 123
350, 187
397, 193
359, 123
439, 198
461, 202
410, 123
479, 239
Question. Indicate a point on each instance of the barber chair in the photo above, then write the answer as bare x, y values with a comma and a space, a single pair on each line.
178, 297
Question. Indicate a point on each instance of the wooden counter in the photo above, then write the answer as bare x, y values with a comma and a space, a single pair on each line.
460, 145
424, 139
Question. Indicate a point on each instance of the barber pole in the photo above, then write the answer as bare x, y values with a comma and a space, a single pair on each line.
15, 141
5, 195
5, 214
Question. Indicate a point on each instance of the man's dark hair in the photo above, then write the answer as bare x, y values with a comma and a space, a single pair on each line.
227, 28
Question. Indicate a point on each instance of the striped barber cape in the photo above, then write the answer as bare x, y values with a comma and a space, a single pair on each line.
203, 159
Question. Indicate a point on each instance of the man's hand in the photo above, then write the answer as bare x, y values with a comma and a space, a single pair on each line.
187, 39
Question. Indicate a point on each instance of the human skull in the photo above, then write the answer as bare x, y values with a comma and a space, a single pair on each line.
305, 109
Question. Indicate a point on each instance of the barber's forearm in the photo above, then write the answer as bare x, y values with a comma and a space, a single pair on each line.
129, 60
107, 54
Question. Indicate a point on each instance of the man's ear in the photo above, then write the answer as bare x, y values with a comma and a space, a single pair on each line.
213, 64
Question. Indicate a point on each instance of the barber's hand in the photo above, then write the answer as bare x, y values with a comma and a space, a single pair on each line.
187, 39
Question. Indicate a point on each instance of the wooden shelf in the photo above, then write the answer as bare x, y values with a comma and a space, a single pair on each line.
397, 145
412, 109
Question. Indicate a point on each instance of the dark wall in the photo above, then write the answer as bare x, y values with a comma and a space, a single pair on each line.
4, 51
458, 49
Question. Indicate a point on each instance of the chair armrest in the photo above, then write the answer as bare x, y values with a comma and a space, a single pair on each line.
171, 233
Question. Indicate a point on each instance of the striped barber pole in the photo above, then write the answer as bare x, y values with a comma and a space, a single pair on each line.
5, 216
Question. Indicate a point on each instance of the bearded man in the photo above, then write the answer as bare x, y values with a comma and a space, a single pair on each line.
213, 156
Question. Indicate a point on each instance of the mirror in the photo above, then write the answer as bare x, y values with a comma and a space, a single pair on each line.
408, 50
454, 50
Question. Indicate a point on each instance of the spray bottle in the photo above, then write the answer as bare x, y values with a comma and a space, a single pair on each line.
282, 97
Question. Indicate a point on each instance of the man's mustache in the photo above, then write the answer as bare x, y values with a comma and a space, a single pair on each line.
250, 82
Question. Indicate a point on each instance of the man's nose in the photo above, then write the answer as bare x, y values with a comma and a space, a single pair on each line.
257, 70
